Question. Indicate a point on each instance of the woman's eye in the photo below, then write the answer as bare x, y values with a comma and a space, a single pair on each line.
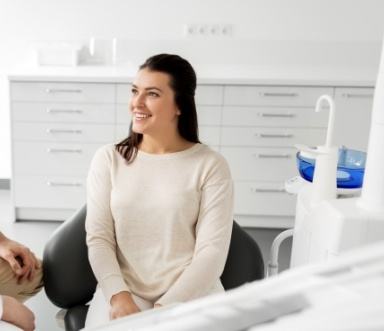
134, 91
153, 94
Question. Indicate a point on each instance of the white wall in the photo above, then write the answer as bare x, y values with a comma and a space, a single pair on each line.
331, 28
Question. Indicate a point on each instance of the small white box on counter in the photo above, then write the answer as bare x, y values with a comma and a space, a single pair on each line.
58, 54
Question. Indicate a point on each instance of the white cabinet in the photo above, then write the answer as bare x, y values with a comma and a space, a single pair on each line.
209, 99
353, 116
123, 115
57, 127
260, 126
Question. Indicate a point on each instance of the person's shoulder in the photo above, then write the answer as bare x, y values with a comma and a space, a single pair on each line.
107, 149
213, 161
105, 152
208, 153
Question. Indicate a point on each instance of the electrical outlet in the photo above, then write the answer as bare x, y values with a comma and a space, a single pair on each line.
207, 30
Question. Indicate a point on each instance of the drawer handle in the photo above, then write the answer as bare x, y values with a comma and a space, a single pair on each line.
64, 150
267, 190
289, 115
278, 94
273, 156
65, 111
53, 131
56, 184
274, 135
57, 90
357, 95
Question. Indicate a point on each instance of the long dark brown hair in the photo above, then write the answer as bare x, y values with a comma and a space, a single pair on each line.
183, 84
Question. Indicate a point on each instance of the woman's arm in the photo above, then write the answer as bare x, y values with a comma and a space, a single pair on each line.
100, 226
213, 233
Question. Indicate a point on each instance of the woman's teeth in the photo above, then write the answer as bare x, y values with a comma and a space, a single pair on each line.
140, 116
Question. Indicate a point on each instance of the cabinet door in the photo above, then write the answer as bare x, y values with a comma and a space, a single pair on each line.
63, 112
209, 95
49, 191
46, 158
252, 163
263, 198
62, 92
353, 117
271, 137
63, 132
279, 96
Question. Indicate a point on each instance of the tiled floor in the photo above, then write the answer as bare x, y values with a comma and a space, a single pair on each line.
36, 234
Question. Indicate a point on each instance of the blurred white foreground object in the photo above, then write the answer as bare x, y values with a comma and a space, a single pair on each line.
345, 294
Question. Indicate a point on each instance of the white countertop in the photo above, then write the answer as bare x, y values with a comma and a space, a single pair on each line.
231, 74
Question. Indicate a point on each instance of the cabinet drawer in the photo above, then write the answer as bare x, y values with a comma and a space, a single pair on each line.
353, 117
209, 95
259, 136
209, 115
49, 191
263, 198
121, 132
273, 95
63, 132
209, 135
58, 112
261, 163
63, 92
123, 93
123, 114
274, 116
52, 158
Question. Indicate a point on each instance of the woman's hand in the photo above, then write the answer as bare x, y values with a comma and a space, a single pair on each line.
122, 305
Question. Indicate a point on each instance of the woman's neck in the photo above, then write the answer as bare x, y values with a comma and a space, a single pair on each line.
164, 145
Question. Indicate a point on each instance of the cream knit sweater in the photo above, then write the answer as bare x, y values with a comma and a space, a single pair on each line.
159, 227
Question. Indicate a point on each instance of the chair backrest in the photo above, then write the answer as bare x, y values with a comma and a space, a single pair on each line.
244, 262
69, 280
68, 277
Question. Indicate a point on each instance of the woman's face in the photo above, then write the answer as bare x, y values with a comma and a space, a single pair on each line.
152, 104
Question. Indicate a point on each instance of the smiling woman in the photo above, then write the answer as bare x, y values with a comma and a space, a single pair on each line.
153, 107
163, 107
159, 203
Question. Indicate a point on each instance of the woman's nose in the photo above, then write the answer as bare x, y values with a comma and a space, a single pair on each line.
137, 100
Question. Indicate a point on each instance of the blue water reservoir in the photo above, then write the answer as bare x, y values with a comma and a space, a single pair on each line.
350, 167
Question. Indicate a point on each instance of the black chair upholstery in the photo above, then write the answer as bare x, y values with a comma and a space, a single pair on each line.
244, 262
69, 281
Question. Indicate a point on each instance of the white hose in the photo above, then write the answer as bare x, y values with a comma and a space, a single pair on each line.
273, 265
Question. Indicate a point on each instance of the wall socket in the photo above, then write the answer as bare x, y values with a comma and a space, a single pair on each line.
208, 30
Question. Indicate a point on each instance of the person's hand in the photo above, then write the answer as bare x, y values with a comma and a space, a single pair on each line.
122, 305
17, 314
21, 260
157, 305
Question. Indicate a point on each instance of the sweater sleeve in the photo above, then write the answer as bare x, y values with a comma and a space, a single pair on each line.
213, 233
99, 226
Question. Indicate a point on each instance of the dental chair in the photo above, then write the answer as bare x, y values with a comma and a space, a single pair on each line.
70, 283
